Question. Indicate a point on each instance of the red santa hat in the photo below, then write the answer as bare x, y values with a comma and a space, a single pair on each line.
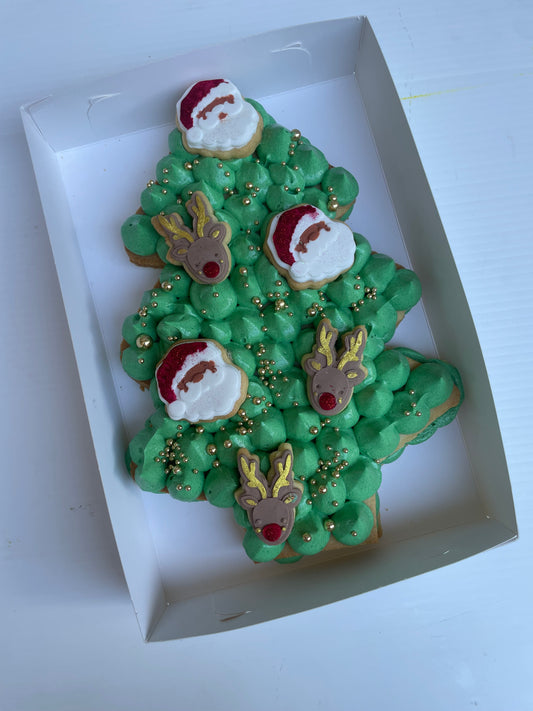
175, 365
285, 228
195, 95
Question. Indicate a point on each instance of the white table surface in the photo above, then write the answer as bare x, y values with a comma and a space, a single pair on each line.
458, 638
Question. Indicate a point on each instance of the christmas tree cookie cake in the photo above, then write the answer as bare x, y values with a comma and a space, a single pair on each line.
263, 343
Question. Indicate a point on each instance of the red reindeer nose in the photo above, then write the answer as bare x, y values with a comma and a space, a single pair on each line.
211, 270
271, 532
327, 401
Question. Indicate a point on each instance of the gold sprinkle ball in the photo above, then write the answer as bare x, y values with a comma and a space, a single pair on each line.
144, 341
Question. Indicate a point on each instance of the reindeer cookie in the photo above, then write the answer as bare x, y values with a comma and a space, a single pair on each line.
332, 376
203, 251
269, 500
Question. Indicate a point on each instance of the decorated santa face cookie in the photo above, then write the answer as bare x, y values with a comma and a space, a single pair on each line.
197, 382
308, 248
215, 120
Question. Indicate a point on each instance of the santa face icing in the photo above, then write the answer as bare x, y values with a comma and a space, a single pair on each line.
215, 120
197, 382
309, 248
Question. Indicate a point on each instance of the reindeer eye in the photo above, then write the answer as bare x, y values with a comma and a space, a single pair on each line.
258, 521
283, 519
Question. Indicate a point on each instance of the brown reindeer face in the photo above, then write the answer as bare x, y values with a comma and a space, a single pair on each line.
207, 260
332, 390
270, 521
203, 251
333, 377
271, 500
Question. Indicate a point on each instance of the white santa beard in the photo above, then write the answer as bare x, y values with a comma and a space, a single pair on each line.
234, 131
215, 395
326, 257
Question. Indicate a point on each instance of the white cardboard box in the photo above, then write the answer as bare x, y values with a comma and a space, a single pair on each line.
93, 151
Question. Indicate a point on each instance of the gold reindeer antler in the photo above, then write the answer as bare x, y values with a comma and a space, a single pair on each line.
171, 227
201, 210
283, 470
248, 469
356, 342
324, 343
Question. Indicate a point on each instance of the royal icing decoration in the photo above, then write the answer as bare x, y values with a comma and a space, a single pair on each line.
197, 382
333, 376
215, 120
203, 251
308, 247
269, 500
